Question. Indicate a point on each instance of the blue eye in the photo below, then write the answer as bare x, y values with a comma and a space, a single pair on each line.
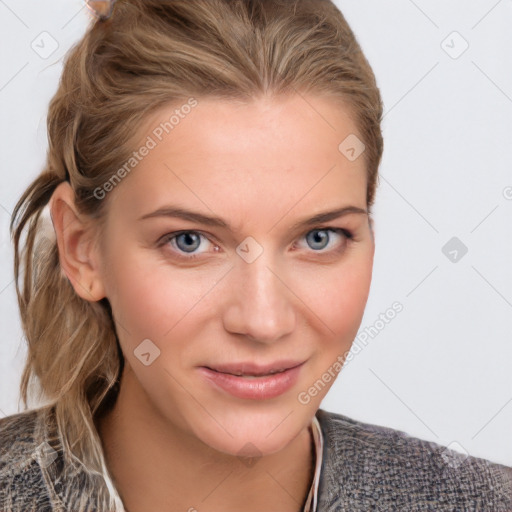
187, 242
184, 241
189, 238
319, 238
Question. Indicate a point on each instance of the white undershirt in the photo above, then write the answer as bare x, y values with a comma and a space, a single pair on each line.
311, 502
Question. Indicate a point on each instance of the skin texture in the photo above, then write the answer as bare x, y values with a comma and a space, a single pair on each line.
173, 441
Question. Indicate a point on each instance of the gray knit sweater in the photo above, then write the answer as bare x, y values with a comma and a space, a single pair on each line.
365, 468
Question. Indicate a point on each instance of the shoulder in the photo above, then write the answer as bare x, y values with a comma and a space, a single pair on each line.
22, 486
380, 468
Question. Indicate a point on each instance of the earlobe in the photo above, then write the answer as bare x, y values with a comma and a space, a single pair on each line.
75, 239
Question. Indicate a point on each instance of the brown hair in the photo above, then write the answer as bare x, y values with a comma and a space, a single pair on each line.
146, 54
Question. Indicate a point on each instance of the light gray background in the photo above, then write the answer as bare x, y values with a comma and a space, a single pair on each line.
442, 368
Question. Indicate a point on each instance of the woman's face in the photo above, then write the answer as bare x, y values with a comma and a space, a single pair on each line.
259, 285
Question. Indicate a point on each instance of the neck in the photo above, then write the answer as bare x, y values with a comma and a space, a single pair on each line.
157, 466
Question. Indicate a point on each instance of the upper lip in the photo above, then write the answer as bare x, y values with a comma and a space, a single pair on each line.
250, 368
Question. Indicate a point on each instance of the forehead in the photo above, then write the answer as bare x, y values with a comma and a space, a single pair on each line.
270, 154
274, 123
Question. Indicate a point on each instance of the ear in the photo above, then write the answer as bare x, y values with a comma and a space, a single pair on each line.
76, 242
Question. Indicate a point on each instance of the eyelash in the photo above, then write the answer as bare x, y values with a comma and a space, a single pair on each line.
170, 236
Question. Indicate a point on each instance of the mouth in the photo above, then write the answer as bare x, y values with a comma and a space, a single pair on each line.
251, 370
248, 376
251, 382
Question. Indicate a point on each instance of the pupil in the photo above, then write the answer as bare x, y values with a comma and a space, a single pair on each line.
320, 236
189, 237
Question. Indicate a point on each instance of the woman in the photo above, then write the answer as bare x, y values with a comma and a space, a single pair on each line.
190, 378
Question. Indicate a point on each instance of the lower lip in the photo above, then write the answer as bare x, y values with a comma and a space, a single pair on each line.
259, 388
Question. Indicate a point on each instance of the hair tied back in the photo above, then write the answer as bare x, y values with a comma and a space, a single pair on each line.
101, 8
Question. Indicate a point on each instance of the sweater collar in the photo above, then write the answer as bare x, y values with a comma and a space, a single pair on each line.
56, 477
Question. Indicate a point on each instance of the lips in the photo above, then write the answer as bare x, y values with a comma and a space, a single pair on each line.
249, 381
250, 369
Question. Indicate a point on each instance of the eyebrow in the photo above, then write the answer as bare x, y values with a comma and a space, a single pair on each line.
200, 218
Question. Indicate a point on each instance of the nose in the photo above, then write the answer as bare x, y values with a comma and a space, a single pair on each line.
260, 303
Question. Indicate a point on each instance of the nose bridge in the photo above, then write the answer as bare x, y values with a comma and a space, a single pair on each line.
259, 283
261, 307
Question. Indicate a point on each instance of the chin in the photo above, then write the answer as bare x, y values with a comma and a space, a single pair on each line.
260, 431
251, 444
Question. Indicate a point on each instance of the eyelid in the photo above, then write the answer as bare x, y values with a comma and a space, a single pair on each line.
173, 234
347, 233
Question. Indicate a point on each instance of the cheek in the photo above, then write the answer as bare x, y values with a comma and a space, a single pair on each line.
337, 297
149, 299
